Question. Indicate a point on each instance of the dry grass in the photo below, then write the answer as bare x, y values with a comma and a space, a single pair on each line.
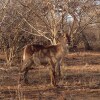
80, 79
83, 69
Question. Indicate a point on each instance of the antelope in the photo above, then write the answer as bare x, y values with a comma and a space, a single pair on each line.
51, 54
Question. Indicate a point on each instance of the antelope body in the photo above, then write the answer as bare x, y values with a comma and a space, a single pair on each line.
34, 54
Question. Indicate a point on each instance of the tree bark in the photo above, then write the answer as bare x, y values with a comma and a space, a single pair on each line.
86, 43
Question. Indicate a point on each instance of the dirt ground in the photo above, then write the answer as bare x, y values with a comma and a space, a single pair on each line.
80, 80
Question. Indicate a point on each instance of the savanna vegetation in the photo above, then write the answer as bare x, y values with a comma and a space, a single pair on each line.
64, 35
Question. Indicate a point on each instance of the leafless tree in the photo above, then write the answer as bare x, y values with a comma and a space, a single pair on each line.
22, 19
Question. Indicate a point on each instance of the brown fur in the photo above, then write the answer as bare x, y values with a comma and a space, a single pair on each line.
35, 54
30, 49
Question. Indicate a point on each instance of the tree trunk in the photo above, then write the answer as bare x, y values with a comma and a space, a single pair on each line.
86, 43
54, 41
